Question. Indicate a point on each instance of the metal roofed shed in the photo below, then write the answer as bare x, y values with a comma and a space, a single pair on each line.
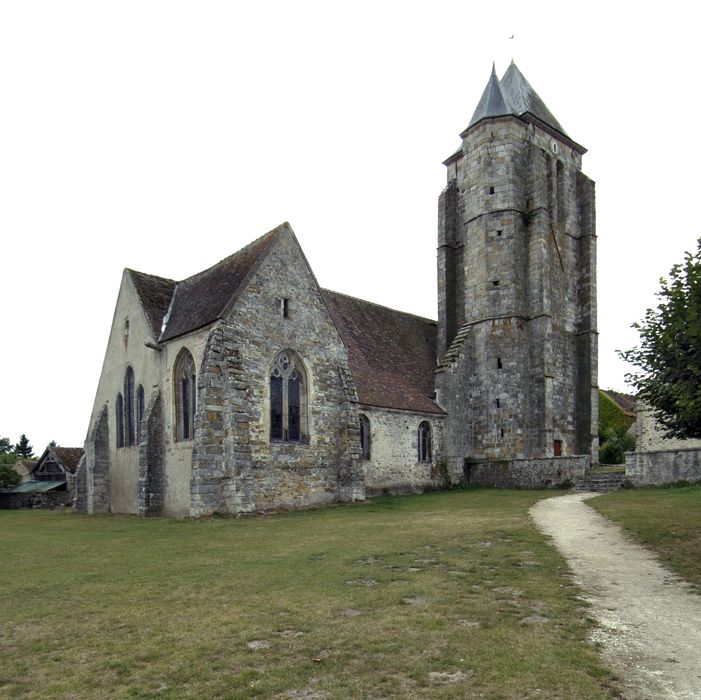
40, 486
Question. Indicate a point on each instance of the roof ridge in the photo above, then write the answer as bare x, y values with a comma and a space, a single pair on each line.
248, 246
381, 306
132, 271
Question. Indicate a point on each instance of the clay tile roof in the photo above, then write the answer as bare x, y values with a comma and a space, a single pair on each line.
626, 402
68, 456
392, 355
200, 299
155, 294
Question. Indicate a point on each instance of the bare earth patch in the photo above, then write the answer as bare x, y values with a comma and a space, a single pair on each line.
649, 620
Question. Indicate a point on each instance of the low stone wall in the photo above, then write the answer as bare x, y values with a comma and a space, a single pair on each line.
663, 467
546, 473
49, 499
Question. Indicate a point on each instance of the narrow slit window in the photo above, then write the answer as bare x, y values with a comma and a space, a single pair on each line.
495, 283
498, 403
365, 436
285, 307
139, 412
119, 420
499, 363
130, 432
491, 189
499, 232
425, 441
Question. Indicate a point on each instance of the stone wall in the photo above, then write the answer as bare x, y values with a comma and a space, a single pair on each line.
49, 499
394, 465
236, 467
649, 436
656, 468
556, 472
96, 465
517, 297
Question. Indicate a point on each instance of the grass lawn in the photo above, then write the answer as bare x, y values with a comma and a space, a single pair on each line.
451, 595
668, 520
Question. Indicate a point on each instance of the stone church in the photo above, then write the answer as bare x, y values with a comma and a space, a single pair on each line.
247, 387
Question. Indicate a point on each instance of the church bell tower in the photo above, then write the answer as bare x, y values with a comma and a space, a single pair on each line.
517, 339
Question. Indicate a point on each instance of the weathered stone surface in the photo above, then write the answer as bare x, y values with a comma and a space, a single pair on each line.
656, 468
517, 297
394, 466
556, 472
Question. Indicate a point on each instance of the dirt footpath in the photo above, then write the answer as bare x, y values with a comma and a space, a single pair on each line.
649, 620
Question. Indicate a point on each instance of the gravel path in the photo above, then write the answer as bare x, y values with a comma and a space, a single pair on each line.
649, 620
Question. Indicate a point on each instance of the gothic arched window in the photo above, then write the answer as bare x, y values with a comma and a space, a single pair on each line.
424, 441
365, 436
288, 399
119, 420
184, 380
130, 433
139, 412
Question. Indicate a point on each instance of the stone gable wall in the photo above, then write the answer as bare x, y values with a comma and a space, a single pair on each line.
236, 467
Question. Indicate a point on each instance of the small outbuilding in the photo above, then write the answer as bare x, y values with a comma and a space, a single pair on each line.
51, 481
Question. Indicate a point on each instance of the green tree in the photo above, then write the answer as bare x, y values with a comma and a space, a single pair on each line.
5, 446
23, 448
669, 355
615, 442
9, 478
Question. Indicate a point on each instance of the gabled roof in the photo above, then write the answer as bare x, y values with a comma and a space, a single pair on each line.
175, 308
626, 402
392, 355
155, 294
67, 457
514, 95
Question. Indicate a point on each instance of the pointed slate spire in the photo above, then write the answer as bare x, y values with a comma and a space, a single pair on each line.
523, 98
493, 103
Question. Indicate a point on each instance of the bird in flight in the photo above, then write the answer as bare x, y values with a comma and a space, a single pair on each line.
512, 36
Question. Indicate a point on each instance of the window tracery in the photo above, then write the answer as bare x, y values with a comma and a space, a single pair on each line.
425, 441
288, 399
185, 384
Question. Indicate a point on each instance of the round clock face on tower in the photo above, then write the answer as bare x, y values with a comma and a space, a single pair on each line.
554, 147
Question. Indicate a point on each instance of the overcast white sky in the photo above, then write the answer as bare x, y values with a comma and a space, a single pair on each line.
163, 136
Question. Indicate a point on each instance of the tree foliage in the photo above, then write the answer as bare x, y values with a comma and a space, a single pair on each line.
615, 442
614, 438
669, 355
23, 448
5, 446
9, 478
